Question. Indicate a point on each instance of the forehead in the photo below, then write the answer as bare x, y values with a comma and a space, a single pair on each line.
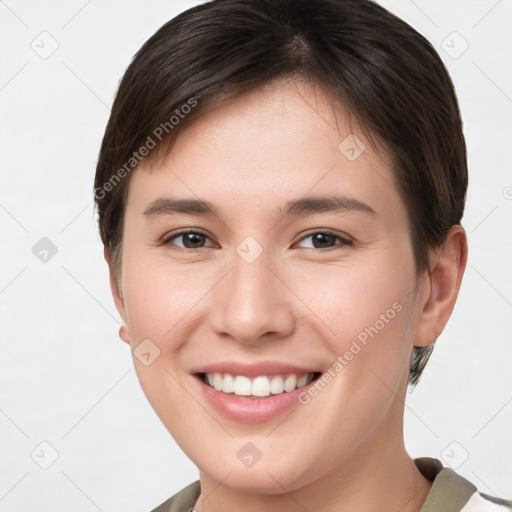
277, 143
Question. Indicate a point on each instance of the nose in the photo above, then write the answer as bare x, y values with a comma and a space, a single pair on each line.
252, 303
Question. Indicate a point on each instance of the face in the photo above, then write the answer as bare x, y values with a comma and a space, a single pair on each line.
267, 250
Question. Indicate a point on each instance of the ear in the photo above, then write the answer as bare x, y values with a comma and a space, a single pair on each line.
124, 333
440, 289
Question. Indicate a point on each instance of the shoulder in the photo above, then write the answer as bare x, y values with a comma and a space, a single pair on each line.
183, 501
451, 492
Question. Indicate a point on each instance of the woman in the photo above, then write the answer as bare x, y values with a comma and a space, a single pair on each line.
280, 189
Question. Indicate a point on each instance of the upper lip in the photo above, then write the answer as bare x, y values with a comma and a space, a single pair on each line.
252, 369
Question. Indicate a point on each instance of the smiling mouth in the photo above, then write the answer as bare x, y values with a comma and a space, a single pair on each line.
258, 387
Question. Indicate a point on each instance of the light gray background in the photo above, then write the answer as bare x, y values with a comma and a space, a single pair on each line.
67, 379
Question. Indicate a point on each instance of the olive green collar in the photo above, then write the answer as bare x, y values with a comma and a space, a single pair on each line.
449, 492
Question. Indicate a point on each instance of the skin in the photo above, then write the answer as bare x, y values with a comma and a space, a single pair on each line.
344, 450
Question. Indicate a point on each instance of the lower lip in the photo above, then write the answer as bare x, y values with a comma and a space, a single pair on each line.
252, 410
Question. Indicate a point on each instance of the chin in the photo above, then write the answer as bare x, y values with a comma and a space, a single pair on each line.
270, 475
264, 480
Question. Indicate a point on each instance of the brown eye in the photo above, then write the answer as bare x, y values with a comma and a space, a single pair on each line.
189, 240
325, 240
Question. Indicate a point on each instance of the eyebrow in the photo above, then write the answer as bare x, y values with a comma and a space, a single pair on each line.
297, 207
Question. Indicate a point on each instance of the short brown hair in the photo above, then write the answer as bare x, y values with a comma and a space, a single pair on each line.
387, 74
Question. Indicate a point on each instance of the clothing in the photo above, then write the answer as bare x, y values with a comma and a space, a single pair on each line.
449, 493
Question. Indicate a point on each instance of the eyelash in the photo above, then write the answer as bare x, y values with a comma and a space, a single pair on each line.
344, 241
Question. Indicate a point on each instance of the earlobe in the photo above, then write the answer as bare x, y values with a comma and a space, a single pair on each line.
117, 295
441, 287
124, 334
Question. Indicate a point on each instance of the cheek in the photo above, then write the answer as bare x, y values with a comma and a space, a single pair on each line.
158, 299
360, 302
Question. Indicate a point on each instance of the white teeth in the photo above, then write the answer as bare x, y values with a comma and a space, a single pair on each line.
277, 385
290, 383
217, 381
228, 386
302, 381
242, 386
260, 386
